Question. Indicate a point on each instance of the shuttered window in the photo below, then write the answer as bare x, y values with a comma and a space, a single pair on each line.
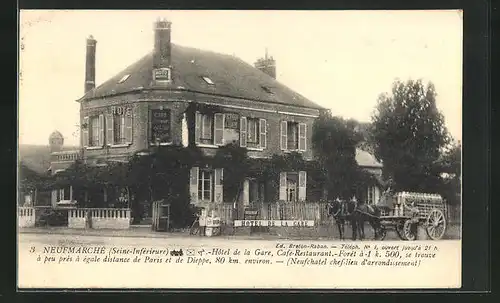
94, 131
293, 186
205, 183
293, 136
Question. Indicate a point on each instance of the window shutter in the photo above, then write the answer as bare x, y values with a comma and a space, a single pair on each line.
218, 188
282, 194
243, 131
197, 127
54, 197
302, 185
193, 184
85, 132
128, 129
376, 195
302, 136
101, 130
219, 129
263, 133
284, 137
71, 193
109, 129
184, 131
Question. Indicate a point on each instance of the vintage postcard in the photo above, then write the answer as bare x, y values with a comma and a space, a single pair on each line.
239, 149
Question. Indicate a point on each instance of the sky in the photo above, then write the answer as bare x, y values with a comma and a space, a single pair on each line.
341, 60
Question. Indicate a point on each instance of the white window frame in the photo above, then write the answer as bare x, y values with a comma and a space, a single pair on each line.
256, 122
286, 132
61, 194
201, 185
292, 190
123, 139
204, 118
94, 127
295, 136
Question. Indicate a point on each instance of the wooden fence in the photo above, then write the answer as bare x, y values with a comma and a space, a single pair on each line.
277, 211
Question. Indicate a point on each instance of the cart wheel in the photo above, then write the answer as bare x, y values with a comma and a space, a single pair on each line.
409, 230
382, 232
399, 230
435, 226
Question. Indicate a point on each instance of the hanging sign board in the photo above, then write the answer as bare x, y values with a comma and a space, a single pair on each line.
160, 125
231, 121
162, 74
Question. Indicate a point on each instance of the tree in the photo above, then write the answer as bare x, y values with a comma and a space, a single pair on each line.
334, 143
409, 135
451, 169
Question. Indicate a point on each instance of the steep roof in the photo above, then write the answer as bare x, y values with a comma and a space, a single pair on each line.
365, 159
231, 77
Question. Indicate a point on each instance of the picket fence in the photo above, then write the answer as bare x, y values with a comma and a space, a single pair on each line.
276, 211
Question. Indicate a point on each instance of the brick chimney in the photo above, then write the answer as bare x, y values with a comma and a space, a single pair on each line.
267, 65
90, 64
162, 47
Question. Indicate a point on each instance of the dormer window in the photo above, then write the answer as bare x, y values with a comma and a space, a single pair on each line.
208, 80
124, 78
266, 89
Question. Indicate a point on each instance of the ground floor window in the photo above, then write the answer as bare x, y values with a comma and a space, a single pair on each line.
64, 194
293, 186
206, 185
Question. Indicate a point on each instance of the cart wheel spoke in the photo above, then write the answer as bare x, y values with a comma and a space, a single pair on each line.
436, 224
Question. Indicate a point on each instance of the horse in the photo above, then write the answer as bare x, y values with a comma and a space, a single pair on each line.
357, 214
361, 213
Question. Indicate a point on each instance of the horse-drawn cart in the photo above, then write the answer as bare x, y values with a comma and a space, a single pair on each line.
405, 211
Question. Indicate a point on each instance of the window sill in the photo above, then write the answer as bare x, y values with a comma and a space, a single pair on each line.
207, 145
255, 149
119, 145
161, 144
93, 147
293, 151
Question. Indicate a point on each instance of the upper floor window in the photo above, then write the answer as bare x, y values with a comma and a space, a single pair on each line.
220, 129
293, 136
204, 132
112, 128
253, 131
119, 126
93, 131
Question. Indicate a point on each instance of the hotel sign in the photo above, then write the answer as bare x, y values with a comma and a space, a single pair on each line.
274, 223
162, 74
